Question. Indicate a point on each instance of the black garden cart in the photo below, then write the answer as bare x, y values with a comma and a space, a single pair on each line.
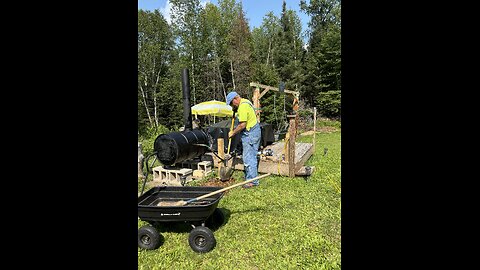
157, 206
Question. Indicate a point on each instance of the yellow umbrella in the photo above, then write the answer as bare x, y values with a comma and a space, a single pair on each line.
213, 107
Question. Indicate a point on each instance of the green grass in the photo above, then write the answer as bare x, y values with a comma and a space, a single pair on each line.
285, 223
325, 122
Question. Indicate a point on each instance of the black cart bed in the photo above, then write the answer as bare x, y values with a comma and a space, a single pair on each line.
195, 211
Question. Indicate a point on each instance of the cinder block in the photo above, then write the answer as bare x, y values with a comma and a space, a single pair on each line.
157, 173
190, 164
173, 177
198, 174
205, 166
176, 175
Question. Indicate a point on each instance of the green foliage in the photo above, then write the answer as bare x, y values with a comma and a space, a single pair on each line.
322, 62
240, 54
323, 13
275, 108
285, 223
265, 39
147, 138
288, 49
305, 113
329, 103
156, 97
210, 54
326, 122
264, 74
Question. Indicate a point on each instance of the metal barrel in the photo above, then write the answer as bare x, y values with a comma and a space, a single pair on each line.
176, 147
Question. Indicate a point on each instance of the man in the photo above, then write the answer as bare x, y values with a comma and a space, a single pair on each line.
250, 131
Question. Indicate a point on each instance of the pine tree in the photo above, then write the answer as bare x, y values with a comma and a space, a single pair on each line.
322, 66
240, 54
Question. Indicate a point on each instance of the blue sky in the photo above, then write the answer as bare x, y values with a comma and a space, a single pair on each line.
254, 9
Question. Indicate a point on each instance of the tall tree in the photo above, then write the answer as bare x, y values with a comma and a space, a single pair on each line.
265, 39
185, 23
289, 48
155, 53
210, 54
323, 60
228, 11
240, 54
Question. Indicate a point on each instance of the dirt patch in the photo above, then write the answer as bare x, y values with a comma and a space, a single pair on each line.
215, 182
320, 130
307, 133
168, 203
327, 129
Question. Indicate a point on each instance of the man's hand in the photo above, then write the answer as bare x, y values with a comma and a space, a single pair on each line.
237, 130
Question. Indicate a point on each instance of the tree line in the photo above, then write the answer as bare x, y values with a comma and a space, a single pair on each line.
222, 54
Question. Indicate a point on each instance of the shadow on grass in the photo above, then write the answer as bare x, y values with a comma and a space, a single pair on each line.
214, 222
248, 210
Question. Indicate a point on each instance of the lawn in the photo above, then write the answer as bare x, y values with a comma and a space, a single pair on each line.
285, 223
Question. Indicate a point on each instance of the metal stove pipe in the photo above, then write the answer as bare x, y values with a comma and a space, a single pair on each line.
187, 111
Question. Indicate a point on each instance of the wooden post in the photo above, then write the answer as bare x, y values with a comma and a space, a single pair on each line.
256, 102
292, 131
314, 125
221, 153
295, 104
140, 161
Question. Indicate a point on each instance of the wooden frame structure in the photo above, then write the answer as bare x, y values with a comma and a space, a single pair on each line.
289, 156
265, 88
292, 119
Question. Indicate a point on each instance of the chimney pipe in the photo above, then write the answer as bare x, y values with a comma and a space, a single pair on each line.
187, 111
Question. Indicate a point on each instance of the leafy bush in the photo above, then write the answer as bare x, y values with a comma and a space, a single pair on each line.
329, 103
149, 135
326, 122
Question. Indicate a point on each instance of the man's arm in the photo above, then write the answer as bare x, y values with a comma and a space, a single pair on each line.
238, 129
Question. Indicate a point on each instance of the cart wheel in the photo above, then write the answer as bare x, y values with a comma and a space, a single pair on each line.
148, 237
201, 239
216, 220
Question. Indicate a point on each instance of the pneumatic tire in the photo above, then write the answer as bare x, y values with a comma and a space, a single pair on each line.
201, 239
148, 238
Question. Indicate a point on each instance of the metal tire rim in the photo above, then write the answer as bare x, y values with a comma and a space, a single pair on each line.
200, 241
145, 239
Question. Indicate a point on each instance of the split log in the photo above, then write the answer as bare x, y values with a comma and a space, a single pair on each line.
140, 161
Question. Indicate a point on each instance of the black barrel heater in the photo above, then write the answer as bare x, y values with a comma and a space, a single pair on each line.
176, 147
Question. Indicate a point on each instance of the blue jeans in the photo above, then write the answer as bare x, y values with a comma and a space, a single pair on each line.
250, 145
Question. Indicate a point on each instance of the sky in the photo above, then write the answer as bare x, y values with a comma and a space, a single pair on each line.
254, 10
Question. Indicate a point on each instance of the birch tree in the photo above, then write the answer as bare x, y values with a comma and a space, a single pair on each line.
155, 44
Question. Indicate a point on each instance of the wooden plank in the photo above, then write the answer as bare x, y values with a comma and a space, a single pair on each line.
140, 159
292, 130
306, 155
273, 88
264, 91
275, 167
256, 102
273, 164
221, 152
300, 150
